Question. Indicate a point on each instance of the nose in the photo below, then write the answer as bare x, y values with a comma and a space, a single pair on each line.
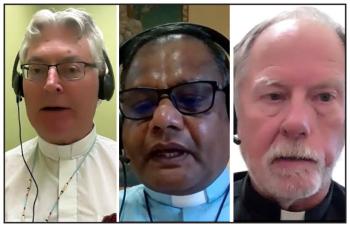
296, 125
166, 118
53, 82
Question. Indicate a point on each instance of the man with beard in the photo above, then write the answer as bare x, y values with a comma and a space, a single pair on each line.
290, 106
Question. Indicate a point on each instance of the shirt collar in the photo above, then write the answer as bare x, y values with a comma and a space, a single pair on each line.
211, 193
66, 152
292, 216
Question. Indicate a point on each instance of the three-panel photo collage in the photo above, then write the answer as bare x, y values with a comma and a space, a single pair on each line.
173, 113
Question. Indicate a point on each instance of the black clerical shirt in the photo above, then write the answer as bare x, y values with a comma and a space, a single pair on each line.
249, 206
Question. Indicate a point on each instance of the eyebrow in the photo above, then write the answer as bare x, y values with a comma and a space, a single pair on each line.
140, 84
335, 83
65, 59
264, 80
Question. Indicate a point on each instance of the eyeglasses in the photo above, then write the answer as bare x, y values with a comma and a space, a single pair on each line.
189, 99
67, 70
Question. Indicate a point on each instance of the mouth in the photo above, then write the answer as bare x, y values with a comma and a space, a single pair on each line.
54, 108
171, 154
168, 154
293, 162
293, 158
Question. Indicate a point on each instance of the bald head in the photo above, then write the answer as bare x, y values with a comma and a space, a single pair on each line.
284, 22
302, 39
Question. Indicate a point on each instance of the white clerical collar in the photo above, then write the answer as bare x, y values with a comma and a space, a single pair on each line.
292, 216
211, 193
71, 151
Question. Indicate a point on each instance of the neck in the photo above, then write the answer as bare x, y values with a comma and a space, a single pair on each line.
216, 189
70, 151
68, 139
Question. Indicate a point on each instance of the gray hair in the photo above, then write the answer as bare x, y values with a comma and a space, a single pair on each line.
242, 49
80, 21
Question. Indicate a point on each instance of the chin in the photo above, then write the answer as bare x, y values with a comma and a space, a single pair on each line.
287, 186
293, 185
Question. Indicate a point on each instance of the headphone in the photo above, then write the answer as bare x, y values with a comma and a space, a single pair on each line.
217, 42
236, 139
106, 80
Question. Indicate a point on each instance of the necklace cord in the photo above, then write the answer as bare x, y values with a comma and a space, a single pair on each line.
61, 191
222, 204
125, 186
147, 206
71, 177
25, 162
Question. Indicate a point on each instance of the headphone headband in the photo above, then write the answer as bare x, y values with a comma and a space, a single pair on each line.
198, 31
217, 42
128, 49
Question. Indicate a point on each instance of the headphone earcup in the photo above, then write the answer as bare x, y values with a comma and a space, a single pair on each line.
227, 99
121, 147
17, 80
17, 84
122, 155
106, 81
235, 123
106, 87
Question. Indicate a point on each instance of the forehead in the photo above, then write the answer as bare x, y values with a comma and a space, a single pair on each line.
60, 40
170, 60
296, 50
295, 40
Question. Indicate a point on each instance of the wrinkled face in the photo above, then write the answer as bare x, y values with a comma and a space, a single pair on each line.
171, 152
291, 110
61, 111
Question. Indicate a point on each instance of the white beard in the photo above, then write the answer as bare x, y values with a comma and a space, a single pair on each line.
286, 185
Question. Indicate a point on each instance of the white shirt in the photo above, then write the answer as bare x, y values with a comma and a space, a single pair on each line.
90, 195
204, 206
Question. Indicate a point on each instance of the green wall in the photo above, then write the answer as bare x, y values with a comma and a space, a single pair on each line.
17, 18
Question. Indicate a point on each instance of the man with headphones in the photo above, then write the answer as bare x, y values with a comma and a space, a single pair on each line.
68, 172
175, 130
290, 106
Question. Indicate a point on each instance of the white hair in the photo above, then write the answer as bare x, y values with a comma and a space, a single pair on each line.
80, 21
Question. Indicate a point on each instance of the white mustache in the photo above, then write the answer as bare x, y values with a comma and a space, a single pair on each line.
298, 151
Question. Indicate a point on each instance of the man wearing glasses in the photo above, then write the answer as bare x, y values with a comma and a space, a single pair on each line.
68, 172
175, 129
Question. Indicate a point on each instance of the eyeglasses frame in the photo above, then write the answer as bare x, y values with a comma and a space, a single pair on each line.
166, 93
86, 64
